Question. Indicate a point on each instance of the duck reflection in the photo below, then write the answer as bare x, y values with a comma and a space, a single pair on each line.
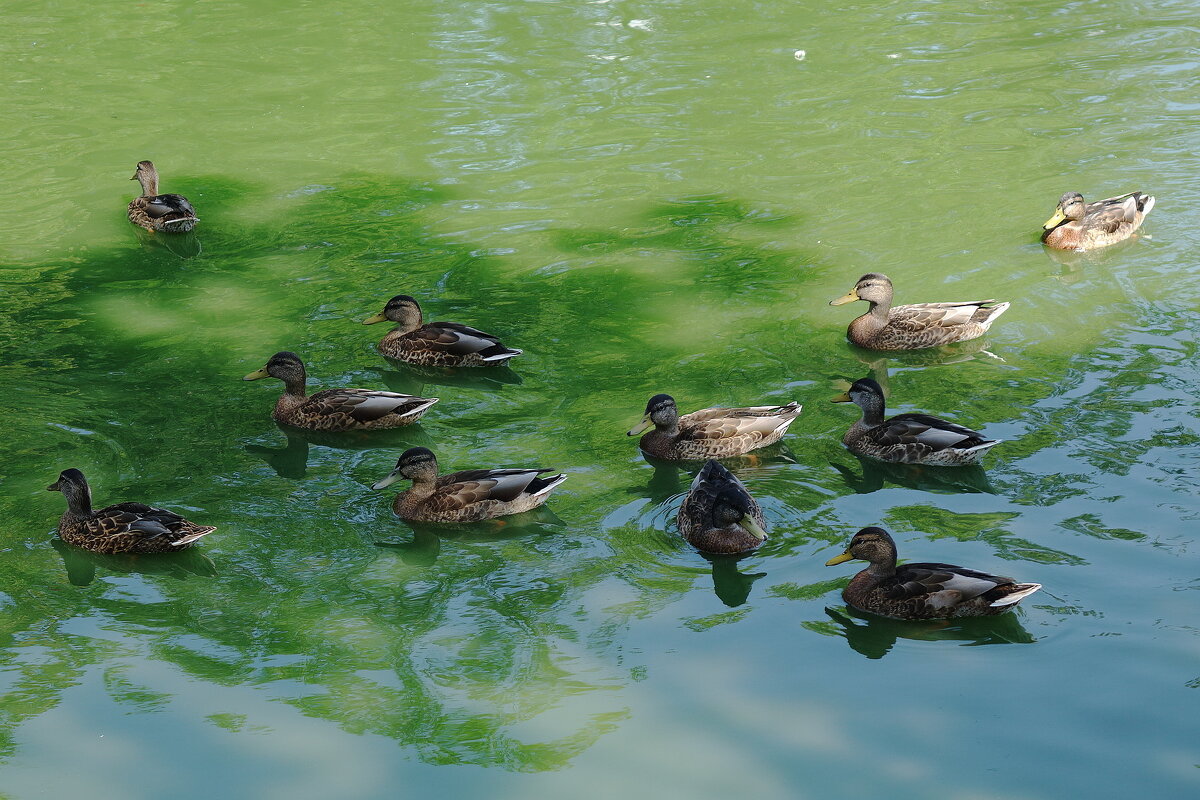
291, 460
81, 565
878, 365
731, 586
425, 545
873, 636
411, 379
875, 475
183, 245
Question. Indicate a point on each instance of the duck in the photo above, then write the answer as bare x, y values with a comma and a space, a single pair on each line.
122, 528
1077, 225
915, 326
908, 438
336, 409
922, 591
718, 515
711, 432
171, 213
469, 496
436, 344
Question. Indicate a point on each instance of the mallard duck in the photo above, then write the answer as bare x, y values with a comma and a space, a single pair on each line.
336, 409
912, 327
719, 515
468, 496
159, 212
922, 591
436, 344
1077, 225
712, 432
908, 438
123, 528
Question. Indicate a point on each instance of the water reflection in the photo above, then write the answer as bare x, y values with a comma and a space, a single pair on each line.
876, 474
421, 551
731, 586
183, 245
873, 636
81, 565
410, 379
291, 460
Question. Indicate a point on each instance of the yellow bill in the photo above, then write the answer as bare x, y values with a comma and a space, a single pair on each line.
1054, 221
844, 397
849, 297
643, 426
377, 318
843, 558
749, 523
257, 375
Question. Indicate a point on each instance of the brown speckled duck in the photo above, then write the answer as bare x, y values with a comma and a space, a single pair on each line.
436, 344
468, 496
336, 409
122, 528
712, 432
908, 438
719, 516
914, 326
922, 591
159, 212
1077, 225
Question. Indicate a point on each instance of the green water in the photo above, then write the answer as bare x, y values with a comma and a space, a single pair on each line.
645, 197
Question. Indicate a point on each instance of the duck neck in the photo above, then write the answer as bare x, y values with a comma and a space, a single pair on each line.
149, 182
423, 486
79, 499
882, 569
670, 428
872, 412
293, 385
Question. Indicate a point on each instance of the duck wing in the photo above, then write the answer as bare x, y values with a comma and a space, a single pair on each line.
725, 423
933, 432
1111, 214
167, 205
451, 337
149, 522
462, 489
923, 316
365, 405
918, 580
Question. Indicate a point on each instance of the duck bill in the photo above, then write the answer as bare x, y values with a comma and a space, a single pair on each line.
377, 318
843, 558
849, 297
844, 397
748, 522
258, 374
55, 487
392, 477
643, 426
1054, 221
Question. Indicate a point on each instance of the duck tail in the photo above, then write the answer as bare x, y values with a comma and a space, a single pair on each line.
986, 316
540, 486
1022, 591
199, 532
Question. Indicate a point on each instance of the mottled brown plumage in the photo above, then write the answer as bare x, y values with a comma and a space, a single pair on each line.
436, 344
336, 409
711, 432
908, 438
718, 515
1077, 225
914, 326
468, 496
171, 213
922, 591
121, 528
